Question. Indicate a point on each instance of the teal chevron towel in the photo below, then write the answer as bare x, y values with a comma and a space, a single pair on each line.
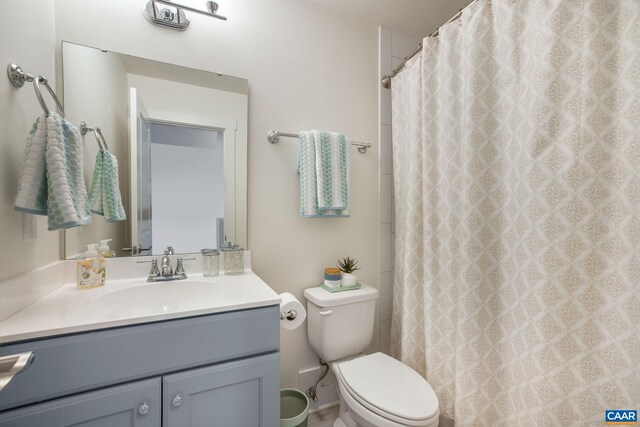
51, 182
104, 197
324, 168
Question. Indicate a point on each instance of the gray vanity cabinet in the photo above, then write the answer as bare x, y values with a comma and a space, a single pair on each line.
211, 370
238, 394
131, 405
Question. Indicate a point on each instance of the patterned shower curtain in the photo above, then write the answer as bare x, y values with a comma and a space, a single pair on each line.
516, 154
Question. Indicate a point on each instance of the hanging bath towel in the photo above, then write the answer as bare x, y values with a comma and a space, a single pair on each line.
104, 197
32, 187
323, 165
51, 182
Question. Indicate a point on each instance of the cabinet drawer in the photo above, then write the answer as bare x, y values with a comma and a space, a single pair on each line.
76, 363
131, 405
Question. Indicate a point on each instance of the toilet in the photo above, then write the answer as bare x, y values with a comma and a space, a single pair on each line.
375, 390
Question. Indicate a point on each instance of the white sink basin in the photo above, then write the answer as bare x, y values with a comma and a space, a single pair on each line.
159, 294
132, 301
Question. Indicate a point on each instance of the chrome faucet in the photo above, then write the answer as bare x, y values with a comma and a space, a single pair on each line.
166, 272
165, 268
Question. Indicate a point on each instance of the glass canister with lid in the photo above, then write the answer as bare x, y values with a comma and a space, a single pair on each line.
210, 262
232, 258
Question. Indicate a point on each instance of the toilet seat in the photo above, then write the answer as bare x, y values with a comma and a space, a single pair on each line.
389, 389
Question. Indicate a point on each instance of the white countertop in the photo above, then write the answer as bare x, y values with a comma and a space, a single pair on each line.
131, 301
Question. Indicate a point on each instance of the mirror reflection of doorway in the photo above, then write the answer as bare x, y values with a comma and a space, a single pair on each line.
187, 184
137, 92
178, 178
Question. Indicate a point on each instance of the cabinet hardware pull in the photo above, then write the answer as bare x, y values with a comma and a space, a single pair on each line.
12, 365
177, 401
144, 409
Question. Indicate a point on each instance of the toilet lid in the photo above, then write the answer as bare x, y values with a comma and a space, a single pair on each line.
390, 386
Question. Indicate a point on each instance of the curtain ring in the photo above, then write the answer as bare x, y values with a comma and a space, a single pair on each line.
36, 87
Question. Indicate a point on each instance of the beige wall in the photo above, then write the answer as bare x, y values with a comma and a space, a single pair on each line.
26, 38
99, 101
307, 68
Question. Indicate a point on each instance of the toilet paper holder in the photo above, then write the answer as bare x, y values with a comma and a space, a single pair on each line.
289, 315
292, 312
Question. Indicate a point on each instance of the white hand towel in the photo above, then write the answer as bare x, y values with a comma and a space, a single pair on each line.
62, 195
32, 187
332, 170
104, 196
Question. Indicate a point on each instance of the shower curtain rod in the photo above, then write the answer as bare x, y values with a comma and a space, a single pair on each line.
386, 80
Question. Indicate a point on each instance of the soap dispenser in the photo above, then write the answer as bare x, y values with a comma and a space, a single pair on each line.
91, 269
104, 250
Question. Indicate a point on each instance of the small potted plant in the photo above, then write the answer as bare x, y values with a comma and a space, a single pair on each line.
348, 266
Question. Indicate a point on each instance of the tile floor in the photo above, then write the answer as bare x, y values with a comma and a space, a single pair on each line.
322, 423
324, 418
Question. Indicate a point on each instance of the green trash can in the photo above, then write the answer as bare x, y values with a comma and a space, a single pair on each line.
294, 408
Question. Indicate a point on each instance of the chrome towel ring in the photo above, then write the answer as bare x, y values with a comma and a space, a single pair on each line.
36, 87
18, 77
85, 128
102, 143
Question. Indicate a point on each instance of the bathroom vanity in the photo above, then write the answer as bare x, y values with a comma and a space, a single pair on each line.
194, 352
187, 353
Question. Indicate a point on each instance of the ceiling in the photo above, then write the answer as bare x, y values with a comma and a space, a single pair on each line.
415, 18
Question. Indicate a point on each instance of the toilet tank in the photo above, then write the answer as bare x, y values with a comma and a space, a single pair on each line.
340, 324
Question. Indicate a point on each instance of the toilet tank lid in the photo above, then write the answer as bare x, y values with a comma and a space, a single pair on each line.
324, 298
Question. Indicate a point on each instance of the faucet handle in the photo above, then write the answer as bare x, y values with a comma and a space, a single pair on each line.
179, 267
154, 268
154, 272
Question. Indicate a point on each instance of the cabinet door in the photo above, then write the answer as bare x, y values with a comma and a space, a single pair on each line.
135, 404
244, 393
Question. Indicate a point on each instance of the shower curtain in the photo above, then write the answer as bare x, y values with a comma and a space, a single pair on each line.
516, 154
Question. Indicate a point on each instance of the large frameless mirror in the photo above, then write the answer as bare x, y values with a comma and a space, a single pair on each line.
180, 138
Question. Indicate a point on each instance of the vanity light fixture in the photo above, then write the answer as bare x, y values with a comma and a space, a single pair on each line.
169, 14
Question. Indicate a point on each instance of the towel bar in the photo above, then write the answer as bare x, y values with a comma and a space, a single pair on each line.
274, 135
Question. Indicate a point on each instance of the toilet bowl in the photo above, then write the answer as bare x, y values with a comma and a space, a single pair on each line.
375, 390
380, 391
